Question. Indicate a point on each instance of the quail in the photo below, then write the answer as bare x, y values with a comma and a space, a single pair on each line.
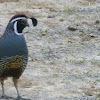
14, 51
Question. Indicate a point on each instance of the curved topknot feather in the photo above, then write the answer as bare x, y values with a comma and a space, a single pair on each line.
34, 21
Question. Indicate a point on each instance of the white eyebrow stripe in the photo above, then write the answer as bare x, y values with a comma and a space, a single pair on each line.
17, 19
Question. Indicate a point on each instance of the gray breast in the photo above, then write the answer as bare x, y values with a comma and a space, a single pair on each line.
12, 46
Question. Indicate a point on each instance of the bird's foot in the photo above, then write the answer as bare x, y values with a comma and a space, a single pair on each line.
20, 98
4, 97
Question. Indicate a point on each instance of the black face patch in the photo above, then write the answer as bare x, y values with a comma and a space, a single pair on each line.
22, 21
21, 24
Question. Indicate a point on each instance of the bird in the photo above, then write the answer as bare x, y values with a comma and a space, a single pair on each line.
14, 51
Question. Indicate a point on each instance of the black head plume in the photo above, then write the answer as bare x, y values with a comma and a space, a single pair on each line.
34, 21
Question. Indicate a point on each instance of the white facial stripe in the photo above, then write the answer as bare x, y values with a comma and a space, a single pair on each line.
17, 19
15, 29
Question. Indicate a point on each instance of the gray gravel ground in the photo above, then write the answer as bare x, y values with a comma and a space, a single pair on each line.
64, 49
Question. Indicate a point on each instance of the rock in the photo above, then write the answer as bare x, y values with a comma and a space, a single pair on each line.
71, 28
61, 20
51, 16
97, 22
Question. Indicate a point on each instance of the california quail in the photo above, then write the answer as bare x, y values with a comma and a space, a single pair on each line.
13, 51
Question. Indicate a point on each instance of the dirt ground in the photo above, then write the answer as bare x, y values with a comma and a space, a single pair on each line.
64, 49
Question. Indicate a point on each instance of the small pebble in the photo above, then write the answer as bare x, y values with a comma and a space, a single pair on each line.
97, 22
71, 28
51, 16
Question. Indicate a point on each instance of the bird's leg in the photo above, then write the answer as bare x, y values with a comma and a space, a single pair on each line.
2, 85
3, 93
16, 86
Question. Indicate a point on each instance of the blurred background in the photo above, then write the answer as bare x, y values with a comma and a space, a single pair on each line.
64, 49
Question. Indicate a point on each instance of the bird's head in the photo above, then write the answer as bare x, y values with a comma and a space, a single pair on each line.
19, 22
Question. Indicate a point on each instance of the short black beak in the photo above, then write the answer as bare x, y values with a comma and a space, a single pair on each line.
34, 21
